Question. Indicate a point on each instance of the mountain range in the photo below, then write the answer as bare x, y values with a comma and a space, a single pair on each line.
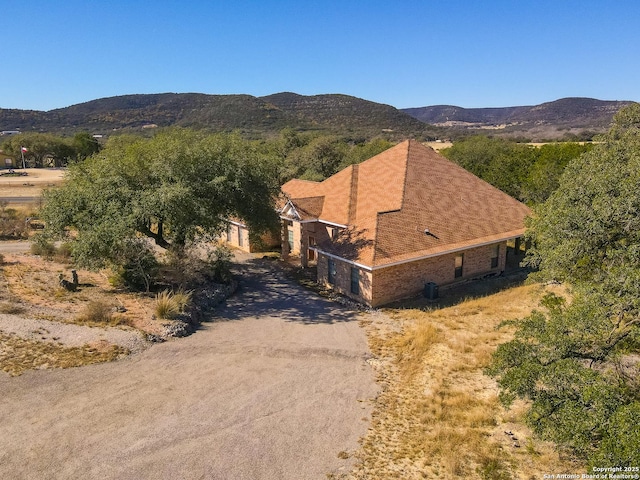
567, 115
331, 114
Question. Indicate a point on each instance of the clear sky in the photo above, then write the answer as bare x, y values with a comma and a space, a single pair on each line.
413, 53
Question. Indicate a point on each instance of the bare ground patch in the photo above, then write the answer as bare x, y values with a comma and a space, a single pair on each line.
32, 184
42, 325
31, 286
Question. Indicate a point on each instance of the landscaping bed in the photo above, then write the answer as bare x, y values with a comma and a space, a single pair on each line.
43, 325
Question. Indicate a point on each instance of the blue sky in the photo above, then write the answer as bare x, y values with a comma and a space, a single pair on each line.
474, 53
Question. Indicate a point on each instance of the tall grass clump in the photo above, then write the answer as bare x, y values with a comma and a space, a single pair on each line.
412, 346
182, 298
167, 305
96, 312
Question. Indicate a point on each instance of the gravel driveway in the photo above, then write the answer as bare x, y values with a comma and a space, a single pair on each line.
274, 388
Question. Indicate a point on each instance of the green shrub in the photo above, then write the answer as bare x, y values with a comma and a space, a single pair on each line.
136, 268
40, 245
219, 264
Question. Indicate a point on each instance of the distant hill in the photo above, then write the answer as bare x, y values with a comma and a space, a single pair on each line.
331, 114
253, 116
348, 115
552, 119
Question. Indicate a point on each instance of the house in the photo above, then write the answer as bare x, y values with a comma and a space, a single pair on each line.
407, 218
7, 161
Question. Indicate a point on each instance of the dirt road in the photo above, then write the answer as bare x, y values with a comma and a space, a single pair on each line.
275, 388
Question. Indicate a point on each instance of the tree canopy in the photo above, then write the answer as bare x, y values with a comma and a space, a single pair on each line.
45, 146
527, 173
316, 157
577, 360
170, 189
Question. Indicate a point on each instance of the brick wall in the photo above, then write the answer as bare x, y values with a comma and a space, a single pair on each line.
408, 279
343, 279
316, 230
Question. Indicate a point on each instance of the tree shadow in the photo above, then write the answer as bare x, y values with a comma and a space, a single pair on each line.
264, 290
452, 295
349, 244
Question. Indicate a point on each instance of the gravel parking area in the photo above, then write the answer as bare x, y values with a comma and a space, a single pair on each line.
275, 387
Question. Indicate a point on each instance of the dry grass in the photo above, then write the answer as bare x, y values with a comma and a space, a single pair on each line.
29, 288
18, 355
169, 304
166, 307
11, 308
438, 415
30, 281
97, 313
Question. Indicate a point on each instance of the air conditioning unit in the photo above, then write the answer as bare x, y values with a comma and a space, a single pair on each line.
430, 290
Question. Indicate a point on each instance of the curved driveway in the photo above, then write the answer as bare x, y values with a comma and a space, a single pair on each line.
275, 388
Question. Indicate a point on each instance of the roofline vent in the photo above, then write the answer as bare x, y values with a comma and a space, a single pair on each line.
429, 234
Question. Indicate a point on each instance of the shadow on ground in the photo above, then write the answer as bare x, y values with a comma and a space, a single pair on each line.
456, 294
264, 290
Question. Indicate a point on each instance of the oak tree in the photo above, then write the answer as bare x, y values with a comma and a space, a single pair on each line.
576, 360
171, 189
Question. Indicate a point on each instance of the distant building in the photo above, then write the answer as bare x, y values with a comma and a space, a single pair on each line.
7, 161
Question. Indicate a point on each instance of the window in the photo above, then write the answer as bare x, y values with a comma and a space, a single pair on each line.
495, 256
229, 227
334, 233
355, 280
290, 239
458, 265
331, 271
240, 244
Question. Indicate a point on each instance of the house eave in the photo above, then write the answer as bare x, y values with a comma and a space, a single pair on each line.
312, 220
283, 217
342, 259
505, 238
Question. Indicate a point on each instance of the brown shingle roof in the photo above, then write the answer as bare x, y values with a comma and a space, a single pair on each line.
390, 200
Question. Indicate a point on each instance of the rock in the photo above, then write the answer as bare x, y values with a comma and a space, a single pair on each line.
150, 337
177, 328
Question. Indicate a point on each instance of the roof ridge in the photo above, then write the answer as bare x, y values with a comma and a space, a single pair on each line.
353, 194
404, 189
